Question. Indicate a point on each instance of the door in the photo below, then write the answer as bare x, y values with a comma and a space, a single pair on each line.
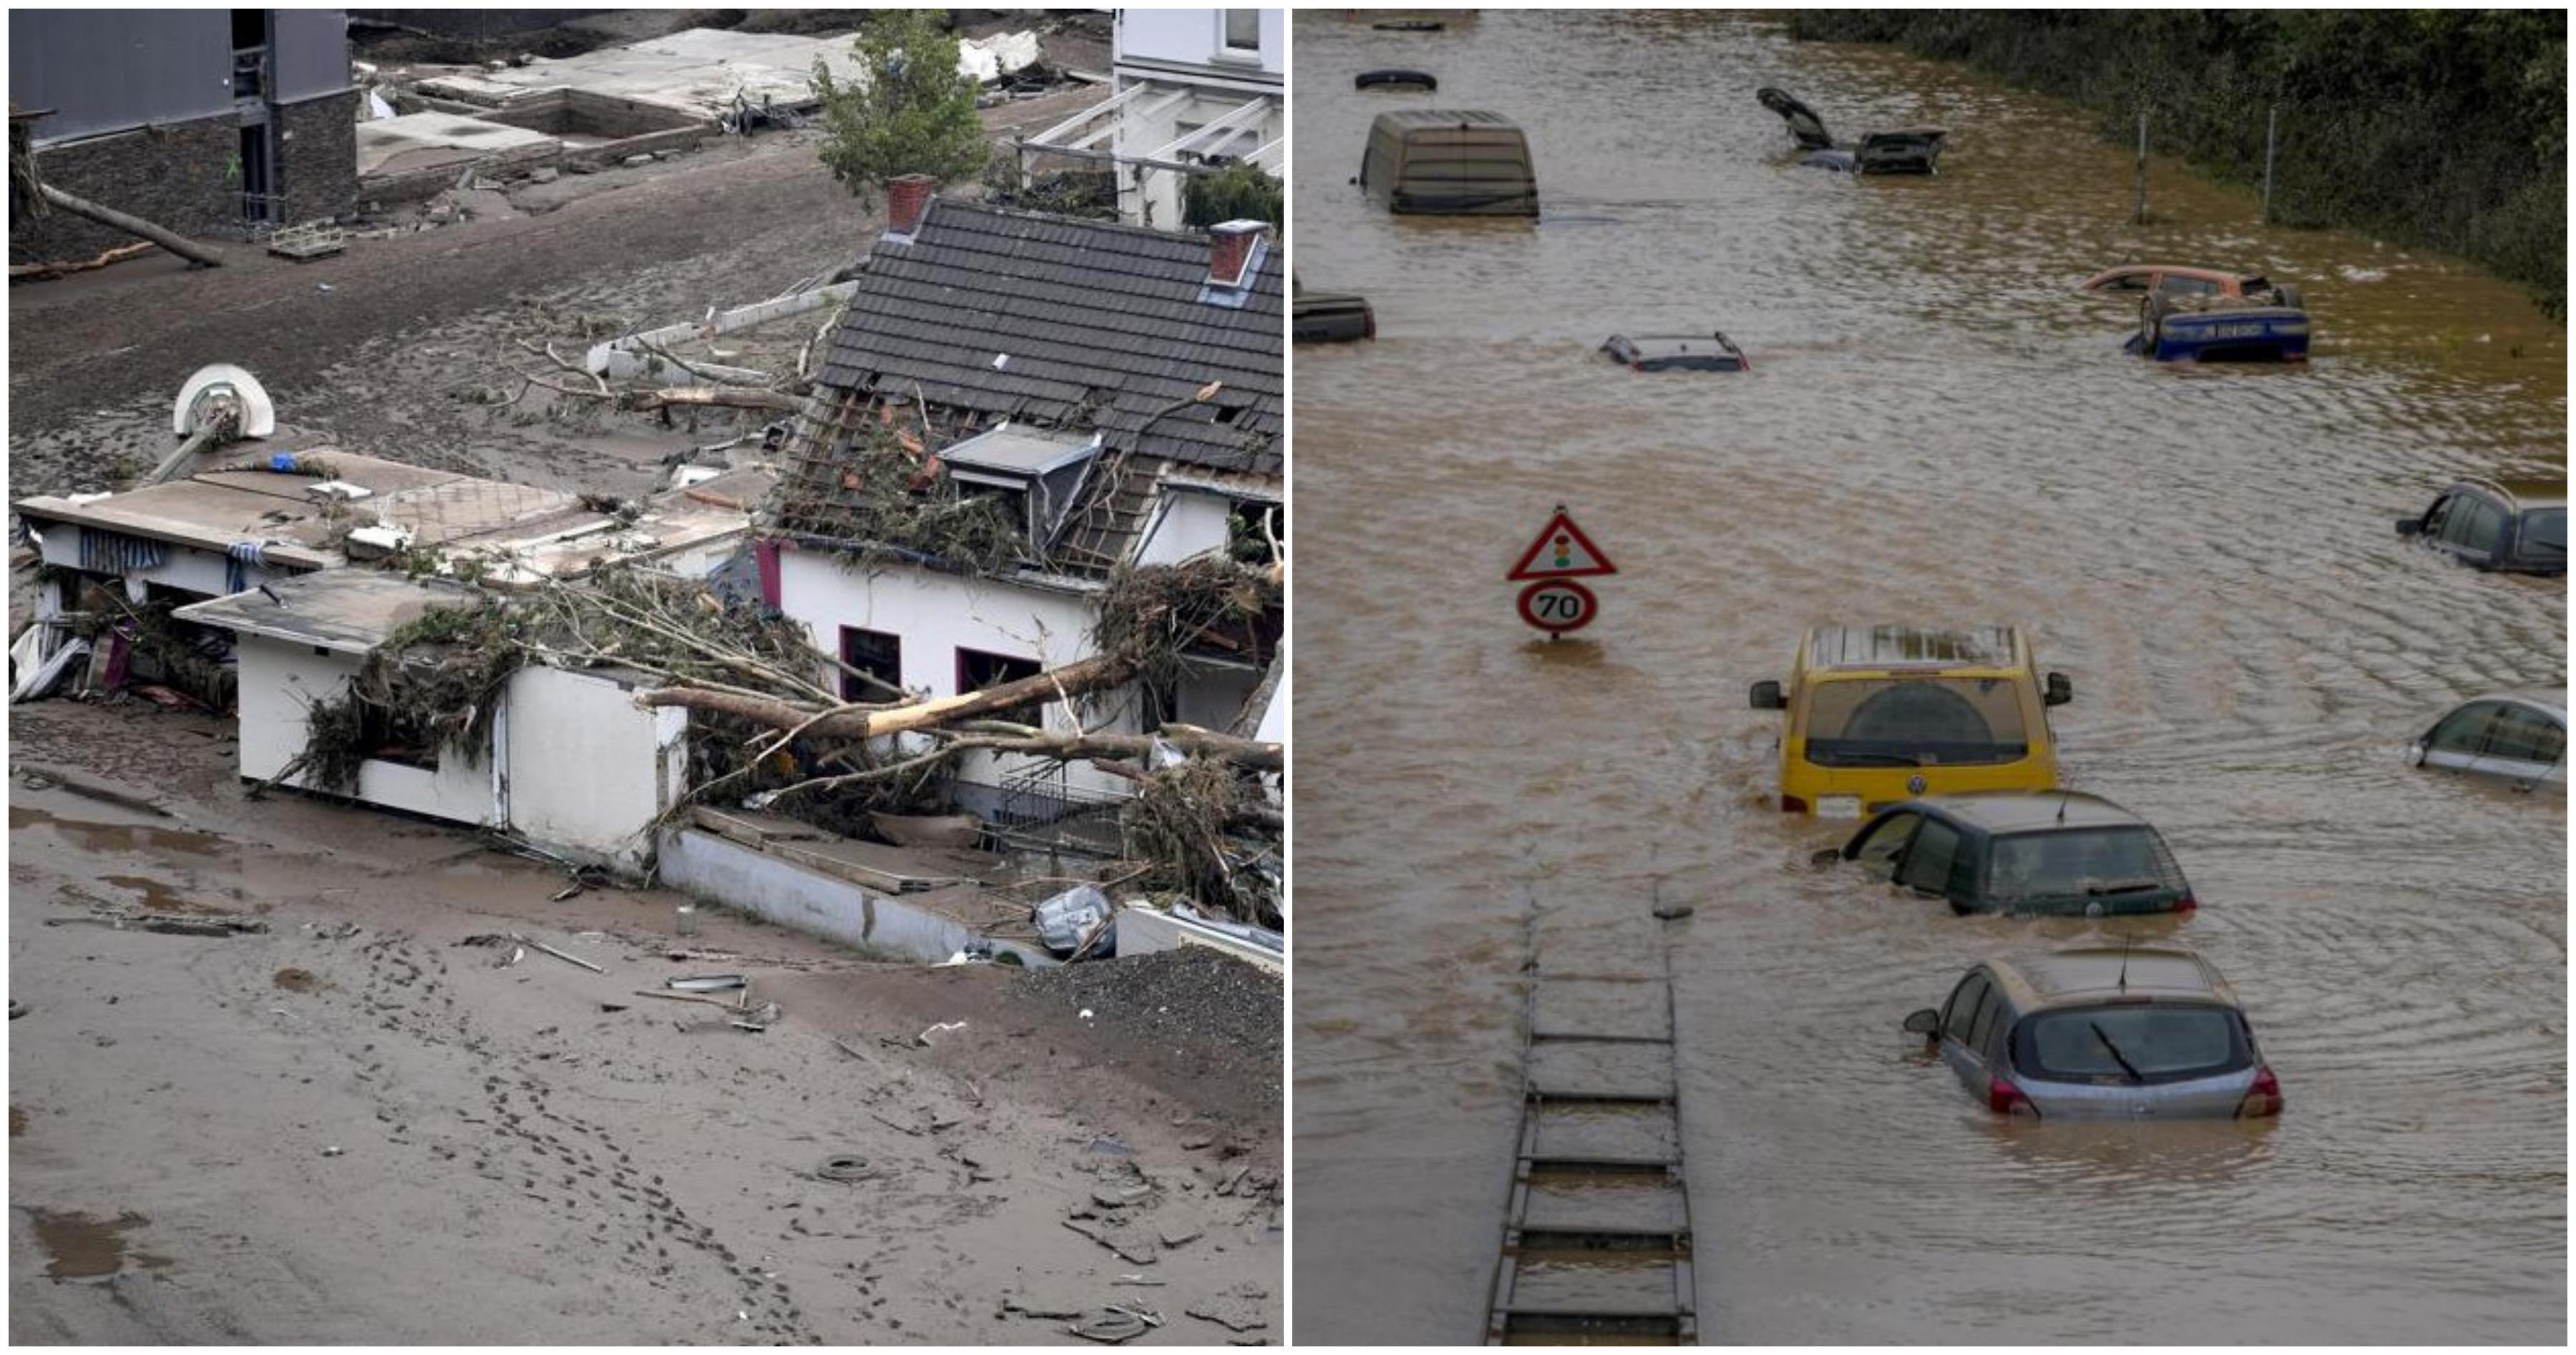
2523, 746
2473, 529
1883, 841
1926, 865
1958, 1020
2456, 744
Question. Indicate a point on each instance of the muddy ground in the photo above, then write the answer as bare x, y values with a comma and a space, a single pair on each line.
354, 1126
400, 347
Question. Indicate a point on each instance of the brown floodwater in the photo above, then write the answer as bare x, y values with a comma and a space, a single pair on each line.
1938, 430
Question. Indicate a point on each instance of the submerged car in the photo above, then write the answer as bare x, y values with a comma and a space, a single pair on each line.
2519, 738
2180, 280
2059, 853
2200, 315
1906, 150
1397, 81
1331, 317
1711, 352
1879, 714
2514, 526
2131, 1032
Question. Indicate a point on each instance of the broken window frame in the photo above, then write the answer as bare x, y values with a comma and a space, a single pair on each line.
886, 665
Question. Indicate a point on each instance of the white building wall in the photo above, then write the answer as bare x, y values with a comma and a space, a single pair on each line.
279, 681
186, 568
587, 770
1184, 49
937, 614
1195, 37
1188, 525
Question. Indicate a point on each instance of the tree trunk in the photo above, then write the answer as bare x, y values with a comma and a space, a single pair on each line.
737, 397
1198, 743
172, 241
1074, 679
118, 254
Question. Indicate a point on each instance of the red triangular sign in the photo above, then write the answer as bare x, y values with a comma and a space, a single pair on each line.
1562, 551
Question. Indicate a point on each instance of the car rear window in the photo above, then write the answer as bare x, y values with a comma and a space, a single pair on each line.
2082, 863
1915, 722
2159, 1041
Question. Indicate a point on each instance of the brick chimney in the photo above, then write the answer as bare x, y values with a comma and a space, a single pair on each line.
907, 200
1230, 252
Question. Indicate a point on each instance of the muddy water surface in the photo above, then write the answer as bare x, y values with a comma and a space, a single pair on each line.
1938, 430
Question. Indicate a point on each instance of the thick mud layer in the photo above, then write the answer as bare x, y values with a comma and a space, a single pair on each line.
361, 1126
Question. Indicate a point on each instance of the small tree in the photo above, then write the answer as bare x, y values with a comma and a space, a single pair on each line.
911, 111
1238, 192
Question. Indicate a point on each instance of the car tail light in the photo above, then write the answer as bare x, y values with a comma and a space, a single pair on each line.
2263, 1099
2186, 904
1791, 804
1368, 322
2003, 1098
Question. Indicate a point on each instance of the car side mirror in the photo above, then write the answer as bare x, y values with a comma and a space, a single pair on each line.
2415, 752
1766, 696
1826, 857
2410, 526
1926, 1023
2060, 690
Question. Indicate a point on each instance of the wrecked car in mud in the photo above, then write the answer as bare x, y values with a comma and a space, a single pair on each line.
1712, 352
2210, 315
1904, 150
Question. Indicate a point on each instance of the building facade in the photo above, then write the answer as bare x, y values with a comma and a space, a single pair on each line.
1193, 90
210, 122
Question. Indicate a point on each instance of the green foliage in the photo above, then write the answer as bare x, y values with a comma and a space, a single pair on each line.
1238, 192
2446, 128
1086, 192
912, 112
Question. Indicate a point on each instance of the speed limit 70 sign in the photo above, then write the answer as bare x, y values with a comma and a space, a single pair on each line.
1558, 605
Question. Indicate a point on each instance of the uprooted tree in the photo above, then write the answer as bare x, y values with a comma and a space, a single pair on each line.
769, 726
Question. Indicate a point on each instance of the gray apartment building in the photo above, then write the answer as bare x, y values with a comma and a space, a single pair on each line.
208, 121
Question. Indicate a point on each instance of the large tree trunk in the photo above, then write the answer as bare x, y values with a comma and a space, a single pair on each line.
132, 225
1190, 739
1074, 679
737, 397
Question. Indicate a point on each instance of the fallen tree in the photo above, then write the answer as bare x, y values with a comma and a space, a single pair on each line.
170, 240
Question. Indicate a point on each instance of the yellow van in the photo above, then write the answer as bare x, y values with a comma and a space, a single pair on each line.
1879, 714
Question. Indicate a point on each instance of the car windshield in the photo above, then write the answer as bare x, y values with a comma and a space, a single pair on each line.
2130, 1042
2074, 863
2544, 533
1915, 722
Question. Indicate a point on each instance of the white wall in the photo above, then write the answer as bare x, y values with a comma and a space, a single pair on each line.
588, 771
1188, 525
279, 681
936, 614
202, 572
1195, 37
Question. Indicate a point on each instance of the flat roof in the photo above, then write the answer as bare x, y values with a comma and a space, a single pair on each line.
1020, 451
1410, 119
2114, 971
1898, 646
347, 611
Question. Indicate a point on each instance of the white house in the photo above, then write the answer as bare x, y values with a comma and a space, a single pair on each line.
1067, 359
572, 765
1192, 90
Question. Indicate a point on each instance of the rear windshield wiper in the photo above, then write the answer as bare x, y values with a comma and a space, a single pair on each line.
1876, 760
2126, 887
2125, 1066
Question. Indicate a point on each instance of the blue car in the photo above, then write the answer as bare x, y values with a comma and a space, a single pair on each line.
2269, 326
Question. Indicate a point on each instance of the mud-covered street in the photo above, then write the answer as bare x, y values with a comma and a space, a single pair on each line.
354, 1126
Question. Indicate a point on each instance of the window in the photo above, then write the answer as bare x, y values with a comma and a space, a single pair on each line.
1878, 850
2435, 519
977, 670
2544, 535
2474, 525
2526, 736
1927, 866
1915, 722
2131, 1043
877, 654
250, 29
2176, 286
1250, 526
2464, 731
1984, 1027
2129, 282
1963, 1005
2080, 863
1242, 32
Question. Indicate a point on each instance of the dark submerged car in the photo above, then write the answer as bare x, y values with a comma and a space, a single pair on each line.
1906, 150
2054, 853
2512, 526
1677, 353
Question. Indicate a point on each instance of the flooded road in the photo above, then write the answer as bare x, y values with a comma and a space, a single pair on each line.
1937, 430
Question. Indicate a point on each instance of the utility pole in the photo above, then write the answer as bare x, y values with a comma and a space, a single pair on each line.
2271, 140
2139, 215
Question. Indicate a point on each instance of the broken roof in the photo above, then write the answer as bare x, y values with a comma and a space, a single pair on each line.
1052, 320
348, 611
290, 515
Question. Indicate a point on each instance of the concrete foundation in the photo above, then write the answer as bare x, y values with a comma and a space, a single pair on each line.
928, 926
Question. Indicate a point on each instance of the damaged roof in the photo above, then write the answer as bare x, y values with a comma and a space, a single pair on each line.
1052, 320
347, 611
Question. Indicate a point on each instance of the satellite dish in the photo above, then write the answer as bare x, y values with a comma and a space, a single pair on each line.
198, 401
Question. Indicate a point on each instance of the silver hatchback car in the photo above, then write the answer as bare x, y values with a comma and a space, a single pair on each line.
2132, 1032
2519, 738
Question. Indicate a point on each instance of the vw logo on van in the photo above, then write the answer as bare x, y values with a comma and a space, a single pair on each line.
1914, 785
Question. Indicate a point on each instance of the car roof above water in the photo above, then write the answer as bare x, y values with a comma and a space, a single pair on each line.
1876, 647
2093, 973
2016, 811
